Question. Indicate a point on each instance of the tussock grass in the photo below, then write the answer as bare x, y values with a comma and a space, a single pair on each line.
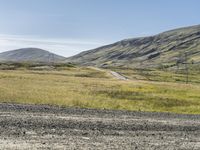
89, 88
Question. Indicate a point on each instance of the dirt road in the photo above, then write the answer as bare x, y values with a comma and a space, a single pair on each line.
45, 127
118, 76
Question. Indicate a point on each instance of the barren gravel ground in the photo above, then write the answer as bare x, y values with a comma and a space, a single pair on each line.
45, 127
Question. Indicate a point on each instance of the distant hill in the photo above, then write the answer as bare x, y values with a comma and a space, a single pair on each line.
163, 49
30, 55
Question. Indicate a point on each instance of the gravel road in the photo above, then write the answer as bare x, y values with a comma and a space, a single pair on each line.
118, 76
46, 127
113, 73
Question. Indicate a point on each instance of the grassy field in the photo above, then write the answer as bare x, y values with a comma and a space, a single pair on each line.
90, 88
173, 75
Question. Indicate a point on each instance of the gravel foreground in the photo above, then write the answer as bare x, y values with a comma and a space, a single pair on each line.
46, 127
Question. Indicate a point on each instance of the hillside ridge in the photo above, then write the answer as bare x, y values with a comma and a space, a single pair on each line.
152, 51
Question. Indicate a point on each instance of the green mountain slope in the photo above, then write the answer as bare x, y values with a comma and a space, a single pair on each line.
166, 48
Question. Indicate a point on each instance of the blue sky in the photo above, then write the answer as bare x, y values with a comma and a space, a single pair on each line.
68, 27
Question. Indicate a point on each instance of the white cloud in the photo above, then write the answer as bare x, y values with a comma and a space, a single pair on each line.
65, 47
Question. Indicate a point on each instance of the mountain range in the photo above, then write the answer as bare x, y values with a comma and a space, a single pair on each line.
166, 48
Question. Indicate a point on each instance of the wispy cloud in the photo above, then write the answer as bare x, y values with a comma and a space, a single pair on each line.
65, 47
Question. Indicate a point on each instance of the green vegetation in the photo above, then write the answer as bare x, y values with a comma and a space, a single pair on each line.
90, 88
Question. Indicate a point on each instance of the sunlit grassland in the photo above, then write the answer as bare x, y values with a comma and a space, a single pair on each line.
89, 88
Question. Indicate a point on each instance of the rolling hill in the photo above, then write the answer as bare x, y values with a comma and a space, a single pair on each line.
30, 55
166, 48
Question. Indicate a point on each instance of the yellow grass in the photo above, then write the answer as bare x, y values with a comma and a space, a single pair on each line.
89, 88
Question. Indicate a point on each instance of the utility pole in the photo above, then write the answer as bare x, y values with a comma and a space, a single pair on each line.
180, 60
51, 59
186, 68
141, 68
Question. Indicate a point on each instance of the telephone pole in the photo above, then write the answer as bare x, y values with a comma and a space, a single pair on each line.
51, 59
186, 68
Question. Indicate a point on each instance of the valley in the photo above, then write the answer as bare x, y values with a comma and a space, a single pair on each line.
138, 93
99, 75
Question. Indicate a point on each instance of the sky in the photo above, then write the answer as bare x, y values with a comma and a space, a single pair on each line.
67, 27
